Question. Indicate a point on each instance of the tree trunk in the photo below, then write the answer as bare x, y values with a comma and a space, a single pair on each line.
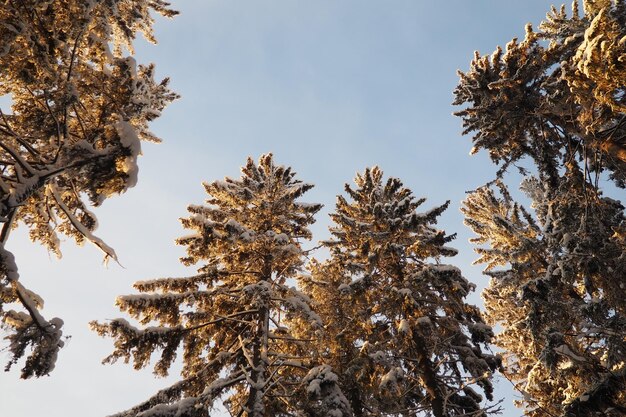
429, 376
259, 351
257, 375
353, 393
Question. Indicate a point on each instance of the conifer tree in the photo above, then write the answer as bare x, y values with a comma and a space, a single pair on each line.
554, 291
399, 333
80, 108
242, 328
557, 275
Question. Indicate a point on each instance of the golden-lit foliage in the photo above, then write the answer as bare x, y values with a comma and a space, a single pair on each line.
79, 109
398, 331
557, 99
556, 291
556, 96
244, 332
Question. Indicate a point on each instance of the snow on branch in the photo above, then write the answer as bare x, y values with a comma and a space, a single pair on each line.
31, 329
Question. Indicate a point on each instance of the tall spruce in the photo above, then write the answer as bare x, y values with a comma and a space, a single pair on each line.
399, 333
80, 107
243, 330
556, 99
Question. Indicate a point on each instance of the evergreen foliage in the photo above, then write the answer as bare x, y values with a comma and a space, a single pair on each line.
557, 272
244, 331
399, 333
80, 108
381, 328
558, 294
557, 96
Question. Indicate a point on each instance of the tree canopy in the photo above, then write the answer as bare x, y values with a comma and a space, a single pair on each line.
80, 108
557, 96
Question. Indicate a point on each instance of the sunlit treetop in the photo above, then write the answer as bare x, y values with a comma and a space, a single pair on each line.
409, 342
243, 329
557, 96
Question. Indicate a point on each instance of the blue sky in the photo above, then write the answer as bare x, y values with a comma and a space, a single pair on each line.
329, 87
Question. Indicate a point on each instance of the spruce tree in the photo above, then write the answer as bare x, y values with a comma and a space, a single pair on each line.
80, 107
555, 99
243, 329
399, 333
557, 291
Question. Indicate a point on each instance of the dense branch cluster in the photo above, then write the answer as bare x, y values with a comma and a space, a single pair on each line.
559, 298
556, 96
80, 108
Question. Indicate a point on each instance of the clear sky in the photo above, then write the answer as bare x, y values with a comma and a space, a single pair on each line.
329, 87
